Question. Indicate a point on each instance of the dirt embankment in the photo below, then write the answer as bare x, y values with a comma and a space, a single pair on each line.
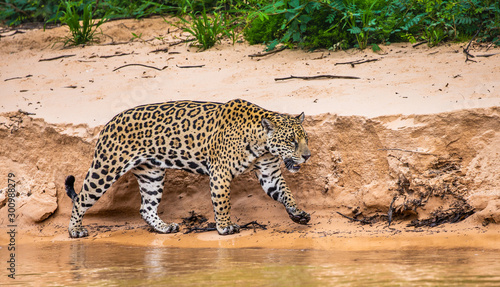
419, 170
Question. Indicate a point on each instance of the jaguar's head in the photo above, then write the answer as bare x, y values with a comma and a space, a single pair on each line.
287, 139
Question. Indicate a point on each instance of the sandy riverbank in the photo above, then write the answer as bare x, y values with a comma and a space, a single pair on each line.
420, 128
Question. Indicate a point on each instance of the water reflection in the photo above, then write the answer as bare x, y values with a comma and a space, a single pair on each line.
97, 264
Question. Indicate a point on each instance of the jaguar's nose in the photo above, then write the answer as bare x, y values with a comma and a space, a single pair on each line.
306, 156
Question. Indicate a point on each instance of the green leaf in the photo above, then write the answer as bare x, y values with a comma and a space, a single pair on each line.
294, 3
272, 45
354, 30
304, 18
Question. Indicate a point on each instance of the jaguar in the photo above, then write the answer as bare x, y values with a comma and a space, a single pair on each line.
221, 140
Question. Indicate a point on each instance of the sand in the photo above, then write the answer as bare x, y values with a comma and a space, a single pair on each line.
418, 135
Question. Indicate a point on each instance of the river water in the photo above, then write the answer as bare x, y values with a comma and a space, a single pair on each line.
99, 264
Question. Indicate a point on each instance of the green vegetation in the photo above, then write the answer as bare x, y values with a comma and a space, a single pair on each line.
83, 31
306, 24
208, 30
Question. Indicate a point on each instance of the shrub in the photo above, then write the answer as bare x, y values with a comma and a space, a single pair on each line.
359, 23
264, 30
15, 12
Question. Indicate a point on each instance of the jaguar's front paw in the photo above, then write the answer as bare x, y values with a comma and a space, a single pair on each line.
228, 228
78, 232
167, 228
299, 216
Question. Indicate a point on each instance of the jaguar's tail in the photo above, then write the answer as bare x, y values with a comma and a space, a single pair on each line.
70, 189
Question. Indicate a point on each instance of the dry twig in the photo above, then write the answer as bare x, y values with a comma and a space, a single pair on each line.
357, 62
180, 42
56, 58
146, 66
466, 49
115, 55
115, 43
363, 221
419, 43
188, 67
160, 50
267, 53
487, 55
254, 224
26, 113
18, 78
315, 77
197, 229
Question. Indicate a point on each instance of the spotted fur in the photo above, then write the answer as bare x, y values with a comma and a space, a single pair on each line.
220, 140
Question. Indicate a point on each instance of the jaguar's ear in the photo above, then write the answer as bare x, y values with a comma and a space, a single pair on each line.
301, 117
268, 125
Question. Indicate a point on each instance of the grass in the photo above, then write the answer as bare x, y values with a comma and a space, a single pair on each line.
207, 30
84, 31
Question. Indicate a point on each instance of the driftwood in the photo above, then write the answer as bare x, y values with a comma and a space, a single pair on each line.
146, 66
315, 77
267, 53
56, 58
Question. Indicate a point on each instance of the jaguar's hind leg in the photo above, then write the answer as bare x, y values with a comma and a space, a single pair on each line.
151, 181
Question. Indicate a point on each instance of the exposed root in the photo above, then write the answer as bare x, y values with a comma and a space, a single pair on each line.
254, 224
455, 214
365, 220
440, 183
435, 193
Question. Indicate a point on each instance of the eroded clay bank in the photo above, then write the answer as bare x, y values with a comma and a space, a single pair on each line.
418, 171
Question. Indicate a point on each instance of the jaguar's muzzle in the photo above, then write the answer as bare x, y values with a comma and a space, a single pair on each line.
291, 165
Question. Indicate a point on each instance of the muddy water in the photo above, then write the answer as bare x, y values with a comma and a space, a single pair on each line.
99, 264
